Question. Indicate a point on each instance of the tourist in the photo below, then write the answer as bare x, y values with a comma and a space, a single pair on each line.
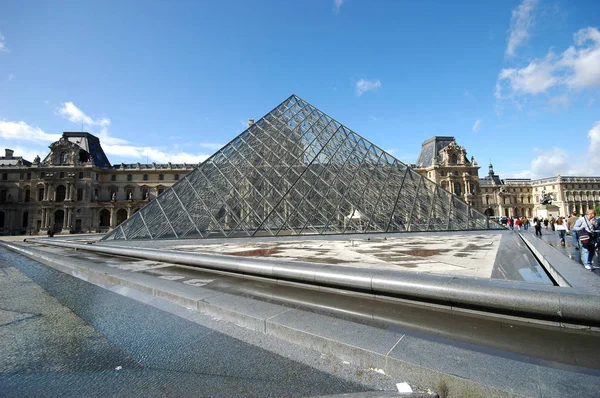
570, 225
537, 224
552, 220
546, 223
586, 225
518, 223
562, 228
525, 222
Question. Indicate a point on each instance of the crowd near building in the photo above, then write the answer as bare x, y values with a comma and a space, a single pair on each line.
76, 189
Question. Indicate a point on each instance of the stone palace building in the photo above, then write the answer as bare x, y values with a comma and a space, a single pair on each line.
75, 188
445, 162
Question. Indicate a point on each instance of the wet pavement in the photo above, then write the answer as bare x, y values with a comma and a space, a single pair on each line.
62, 336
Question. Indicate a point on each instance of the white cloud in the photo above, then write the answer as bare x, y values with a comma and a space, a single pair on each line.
535, 78
556, 161
583, 60
551, 163
364, 85
153, 154
520, 23
576, 68
476, 125
21, 131
71, 112
594, 136
337, 4
2, 44
76, 115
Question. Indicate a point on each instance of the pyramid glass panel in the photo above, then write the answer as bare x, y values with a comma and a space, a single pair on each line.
297, 171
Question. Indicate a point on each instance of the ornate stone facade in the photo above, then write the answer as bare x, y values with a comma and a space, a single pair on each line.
445, 162
76, 189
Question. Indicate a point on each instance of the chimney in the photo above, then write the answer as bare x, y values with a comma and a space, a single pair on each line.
250, 121
9, 153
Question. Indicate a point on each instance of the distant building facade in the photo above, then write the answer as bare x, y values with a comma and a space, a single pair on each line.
445, 162
76, 189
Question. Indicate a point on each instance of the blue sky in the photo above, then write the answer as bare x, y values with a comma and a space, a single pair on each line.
516, 82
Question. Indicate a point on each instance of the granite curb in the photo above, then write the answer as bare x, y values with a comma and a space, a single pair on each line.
565, 306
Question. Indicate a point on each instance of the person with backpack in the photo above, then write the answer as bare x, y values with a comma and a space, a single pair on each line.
586, 228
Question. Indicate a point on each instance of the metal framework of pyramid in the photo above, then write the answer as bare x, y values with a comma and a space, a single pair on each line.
297, 171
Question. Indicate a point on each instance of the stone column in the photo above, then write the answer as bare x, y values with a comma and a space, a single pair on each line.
43, 218
112, 218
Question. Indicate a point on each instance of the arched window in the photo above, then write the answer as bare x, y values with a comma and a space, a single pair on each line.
64, 157
84, 156
454, 159
457, 189
27, 197
61, 193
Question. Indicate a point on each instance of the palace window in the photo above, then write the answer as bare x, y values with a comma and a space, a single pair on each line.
64, 157
80, 174
113, 177
2, 195
79, 194
27, 195
29, 176
129, 177
161, 177
61, 193
4, 176
145, 177
40, 194
176, 177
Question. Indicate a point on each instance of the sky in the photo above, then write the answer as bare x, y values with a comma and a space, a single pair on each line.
517, 83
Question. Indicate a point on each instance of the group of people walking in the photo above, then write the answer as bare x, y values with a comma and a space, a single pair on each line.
583, 230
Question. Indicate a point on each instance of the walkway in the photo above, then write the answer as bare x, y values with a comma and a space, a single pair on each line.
552, 238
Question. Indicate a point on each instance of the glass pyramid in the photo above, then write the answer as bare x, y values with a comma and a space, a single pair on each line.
297, 171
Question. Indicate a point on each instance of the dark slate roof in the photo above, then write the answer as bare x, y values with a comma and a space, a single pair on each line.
14, 161
430, 150
91, 144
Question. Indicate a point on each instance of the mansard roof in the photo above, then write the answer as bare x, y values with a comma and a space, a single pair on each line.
431, 148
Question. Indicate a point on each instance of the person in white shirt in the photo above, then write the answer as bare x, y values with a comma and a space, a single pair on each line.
562, 228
